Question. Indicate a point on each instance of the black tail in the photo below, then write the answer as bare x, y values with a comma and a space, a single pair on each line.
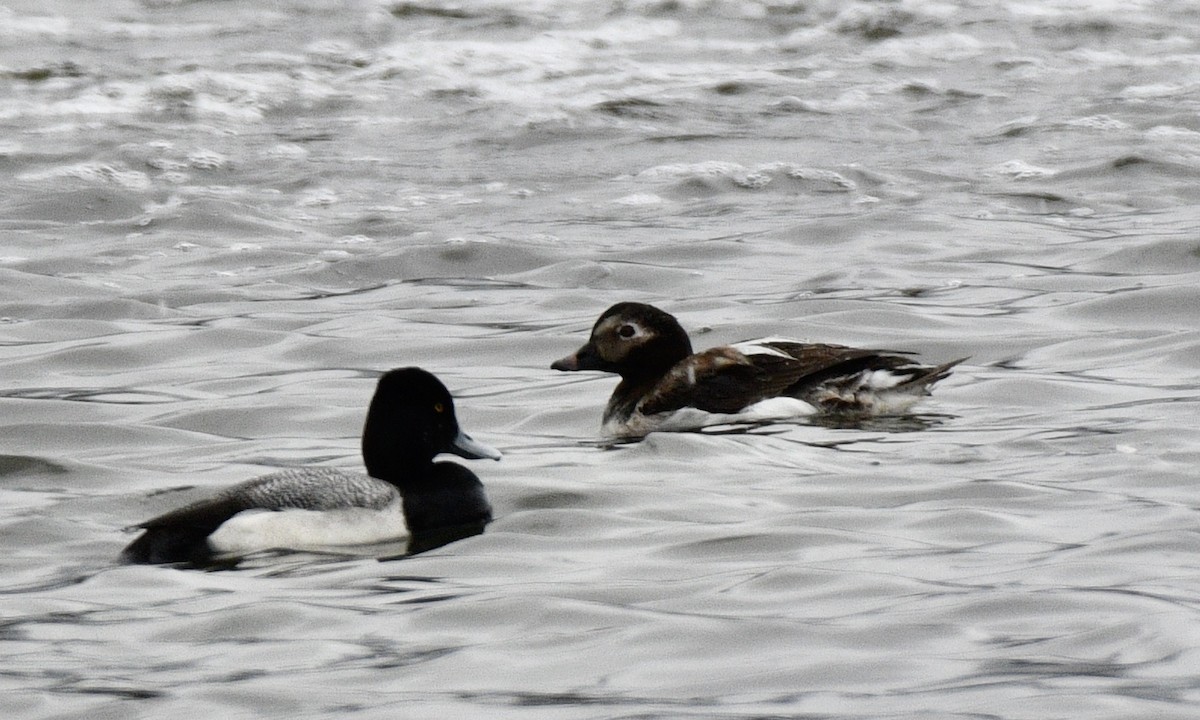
181, 535
168, 545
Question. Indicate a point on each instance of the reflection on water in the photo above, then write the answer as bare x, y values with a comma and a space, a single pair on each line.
220, 222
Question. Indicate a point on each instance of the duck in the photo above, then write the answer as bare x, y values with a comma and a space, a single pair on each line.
402, 494
665, 386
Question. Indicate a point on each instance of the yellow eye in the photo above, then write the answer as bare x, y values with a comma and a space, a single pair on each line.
438, 407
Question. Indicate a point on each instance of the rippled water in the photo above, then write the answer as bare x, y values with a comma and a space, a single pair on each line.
221, 220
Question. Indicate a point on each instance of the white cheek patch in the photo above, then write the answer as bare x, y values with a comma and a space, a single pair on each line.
613, 346
614, 325
256, 530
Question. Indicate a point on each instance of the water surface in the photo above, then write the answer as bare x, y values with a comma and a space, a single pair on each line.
220, 221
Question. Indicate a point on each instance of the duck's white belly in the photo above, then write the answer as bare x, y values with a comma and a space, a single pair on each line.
683, 419
256, 530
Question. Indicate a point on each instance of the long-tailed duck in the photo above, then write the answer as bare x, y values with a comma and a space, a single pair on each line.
664, 386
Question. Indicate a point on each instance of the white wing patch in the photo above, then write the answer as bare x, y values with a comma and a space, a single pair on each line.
760, 347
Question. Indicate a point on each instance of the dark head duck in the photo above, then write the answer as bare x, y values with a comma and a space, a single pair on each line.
404, 493
665, 386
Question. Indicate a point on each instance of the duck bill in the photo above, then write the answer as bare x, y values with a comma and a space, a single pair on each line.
585, 358
468, 447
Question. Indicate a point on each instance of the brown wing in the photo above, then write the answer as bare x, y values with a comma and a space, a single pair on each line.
727, 380
722, 380
820, 363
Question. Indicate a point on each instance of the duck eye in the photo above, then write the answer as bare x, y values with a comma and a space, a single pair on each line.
627, 331
439, 408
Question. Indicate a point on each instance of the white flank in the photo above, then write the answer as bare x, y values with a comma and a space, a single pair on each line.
776, 408
255, 530
684, 419
870, 401
881, 380
888, 403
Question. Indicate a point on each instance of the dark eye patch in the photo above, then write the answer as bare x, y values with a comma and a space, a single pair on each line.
627, 331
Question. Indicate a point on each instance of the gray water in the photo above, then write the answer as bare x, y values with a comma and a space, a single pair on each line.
219, 221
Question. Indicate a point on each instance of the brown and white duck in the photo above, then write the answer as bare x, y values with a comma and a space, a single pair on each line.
665, 386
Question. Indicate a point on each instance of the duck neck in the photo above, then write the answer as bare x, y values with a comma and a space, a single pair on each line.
394, 464
641, 374
627, 394
449, 495
651, 364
